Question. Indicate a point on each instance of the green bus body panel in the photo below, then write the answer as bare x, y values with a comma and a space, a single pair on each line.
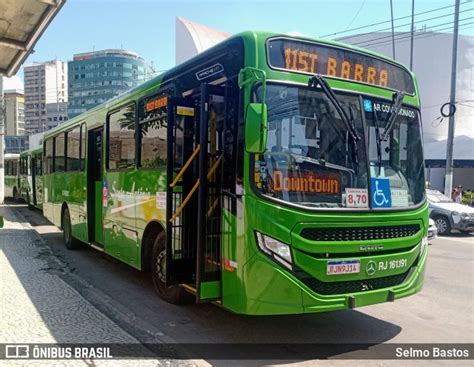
120, 234
254, 284
99, 230
210, 290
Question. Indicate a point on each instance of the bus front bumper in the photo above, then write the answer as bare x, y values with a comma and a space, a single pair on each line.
274, 290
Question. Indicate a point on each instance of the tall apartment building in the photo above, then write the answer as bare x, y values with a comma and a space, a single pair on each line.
95, 77
14, 102
45, 85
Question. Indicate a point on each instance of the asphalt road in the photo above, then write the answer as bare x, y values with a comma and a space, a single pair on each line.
441, 313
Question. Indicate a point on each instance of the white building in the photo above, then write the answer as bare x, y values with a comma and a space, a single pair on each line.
432, 67
45, 83
193, 38
14, 112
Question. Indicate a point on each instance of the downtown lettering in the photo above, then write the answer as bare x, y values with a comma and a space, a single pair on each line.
321, 184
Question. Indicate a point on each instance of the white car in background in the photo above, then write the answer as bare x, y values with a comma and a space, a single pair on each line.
449, 215
432, 230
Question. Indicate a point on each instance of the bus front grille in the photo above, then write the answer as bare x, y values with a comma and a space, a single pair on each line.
353, 286
360, 233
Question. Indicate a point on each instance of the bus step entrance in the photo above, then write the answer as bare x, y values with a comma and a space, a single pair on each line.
195, 128
181, 196
208, 266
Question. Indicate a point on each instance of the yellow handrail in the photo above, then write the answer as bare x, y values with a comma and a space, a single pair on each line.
185, 201
188, 162
196, 185
213, 206
214, 167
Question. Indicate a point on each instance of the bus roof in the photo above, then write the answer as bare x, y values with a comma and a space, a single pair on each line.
33, 150
249, 37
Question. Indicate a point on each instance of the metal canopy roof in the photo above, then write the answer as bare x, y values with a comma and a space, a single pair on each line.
22, 22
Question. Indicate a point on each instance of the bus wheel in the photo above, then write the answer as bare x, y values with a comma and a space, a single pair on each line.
70, 242
173, 294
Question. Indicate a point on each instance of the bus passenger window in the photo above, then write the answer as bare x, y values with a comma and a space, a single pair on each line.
39, 166
59, 161
121, 138
83, 147
153, 144
48, 156
73, 144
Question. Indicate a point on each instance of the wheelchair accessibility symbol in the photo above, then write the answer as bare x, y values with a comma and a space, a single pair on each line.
380, 193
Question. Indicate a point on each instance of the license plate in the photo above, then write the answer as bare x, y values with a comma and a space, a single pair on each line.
343, 267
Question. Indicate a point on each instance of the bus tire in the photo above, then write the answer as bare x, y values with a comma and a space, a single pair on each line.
173, 294
69, 241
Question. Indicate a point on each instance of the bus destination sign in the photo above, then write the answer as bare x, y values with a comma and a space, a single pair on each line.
311, 58
156, 103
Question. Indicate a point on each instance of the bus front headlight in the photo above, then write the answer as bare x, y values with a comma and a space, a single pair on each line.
277, 250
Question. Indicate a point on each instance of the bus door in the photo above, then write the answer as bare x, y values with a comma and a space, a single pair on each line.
182, 167
209, 231
33, 179
94, 185
193, 193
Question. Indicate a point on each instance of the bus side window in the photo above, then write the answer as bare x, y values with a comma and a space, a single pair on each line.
82, 163
39, 164
152, 132
48, 155
121, 138
73, 149
59, 150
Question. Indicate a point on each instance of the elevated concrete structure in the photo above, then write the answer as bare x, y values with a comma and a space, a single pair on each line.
193, 38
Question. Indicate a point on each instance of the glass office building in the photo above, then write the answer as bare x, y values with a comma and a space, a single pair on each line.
95, 77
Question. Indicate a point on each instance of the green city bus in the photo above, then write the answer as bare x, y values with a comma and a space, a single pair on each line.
270, 174
30, 177
11, 175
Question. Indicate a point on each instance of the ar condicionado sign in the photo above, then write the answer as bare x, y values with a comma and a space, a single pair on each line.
312, 58
322, 183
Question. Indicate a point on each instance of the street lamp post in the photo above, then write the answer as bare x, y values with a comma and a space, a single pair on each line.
448, 180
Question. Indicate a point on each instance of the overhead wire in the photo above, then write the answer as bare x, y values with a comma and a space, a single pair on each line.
356, 15
395, 19
407, 24
405, 36
386, 39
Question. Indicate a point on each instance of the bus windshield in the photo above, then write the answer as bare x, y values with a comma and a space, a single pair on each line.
312, 160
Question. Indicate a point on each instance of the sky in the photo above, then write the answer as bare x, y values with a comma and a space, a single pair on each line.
147, 27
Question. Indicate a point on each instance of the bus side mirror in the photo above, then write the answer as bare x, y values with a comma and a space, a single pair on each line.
256, 126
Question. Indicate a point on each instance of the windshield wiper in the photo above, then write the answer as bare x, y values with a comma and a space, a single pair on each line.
356, 149
378, 142
320, 162
316, 80
397, 103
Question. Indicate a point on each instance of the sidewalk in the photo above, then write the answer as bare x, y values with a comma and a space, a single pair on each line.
37, 306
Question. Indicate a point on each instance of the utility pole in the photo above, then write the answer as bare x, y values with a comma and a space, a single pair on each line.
448, 180
412, 32
393, 31
2, 129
